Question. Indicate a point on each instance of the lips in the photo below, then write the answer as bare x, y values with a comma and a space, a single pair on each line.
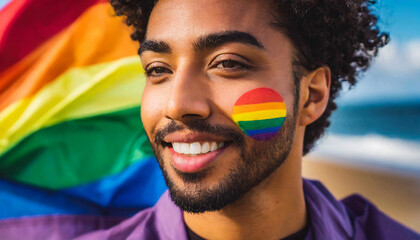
192, 152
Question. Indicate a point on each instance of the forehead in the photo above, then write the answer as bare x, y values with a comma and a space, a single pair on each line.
183, 19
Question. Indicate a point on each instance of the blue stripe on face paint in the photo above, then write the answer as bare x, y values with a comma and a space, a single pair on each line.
264, 130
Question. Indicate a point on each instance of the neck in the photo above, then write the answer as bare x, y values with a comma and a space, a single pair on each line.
272, 210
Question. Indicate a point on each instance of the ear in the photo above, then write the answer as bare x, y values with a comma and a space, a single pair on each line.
314, 94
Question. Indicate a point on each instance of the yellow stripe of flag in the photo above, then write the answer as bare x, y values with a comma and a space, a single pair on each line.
78, 93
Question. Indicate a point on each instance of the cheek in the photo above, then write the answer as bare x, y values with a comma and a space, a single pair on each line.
151, 110
260, 113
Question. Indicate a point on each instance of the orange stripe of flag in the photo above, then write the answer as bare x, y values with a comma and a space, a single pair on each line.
95, 37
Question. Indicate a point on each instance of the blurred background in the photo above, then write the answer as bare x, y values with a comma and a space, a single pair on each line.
373, 144
72, 143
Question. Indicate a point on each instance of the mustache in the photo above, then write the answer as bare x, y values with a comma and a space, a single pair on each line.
198, 125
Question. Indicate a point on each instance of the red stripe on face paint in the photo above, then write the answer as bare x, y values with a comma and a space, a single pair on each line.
259, 95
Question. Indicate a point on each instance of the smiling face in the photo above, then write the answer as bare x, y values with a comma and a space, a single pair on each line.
199, 61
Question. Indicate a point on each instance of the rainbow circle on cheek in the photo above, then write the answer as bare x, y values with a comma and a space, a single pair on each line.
260, 113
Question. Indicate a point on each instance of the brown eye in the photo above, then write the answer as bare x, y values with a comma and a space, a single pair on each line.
157, 71
229, 64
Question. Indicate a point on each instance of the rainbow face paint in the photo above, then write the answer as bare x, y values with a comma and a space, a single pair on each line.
260, 113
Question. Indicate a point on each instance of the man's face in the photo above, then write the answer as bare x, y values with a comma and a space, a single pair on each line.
200, 57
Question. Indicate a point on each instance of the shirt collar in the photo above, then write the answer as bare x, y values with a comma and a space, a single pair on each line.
169, 219
328, 217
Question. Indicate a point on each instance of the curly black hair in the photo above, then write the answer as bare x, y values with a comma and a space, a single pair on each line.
342, 35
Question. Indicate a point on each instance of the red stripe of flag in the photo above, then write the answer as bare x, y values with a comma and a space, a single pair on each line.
25, 24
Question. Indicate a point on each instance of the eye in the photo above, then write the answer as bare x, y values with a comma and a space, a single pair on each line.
230, 64
157, 71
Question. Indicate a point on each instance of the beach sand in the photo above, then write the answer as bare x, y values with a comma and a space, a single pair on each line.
393, 193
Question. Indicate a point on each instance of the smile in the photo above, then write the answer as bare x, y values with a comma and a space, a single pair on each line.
193, 151
196, 148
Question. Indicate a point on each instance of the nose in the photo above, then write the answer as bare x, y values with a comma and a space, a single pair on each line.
189, 98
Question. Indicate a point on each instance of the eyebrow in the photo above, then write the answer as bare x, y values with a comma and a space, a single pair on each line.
215, 40
154, 46
206, 42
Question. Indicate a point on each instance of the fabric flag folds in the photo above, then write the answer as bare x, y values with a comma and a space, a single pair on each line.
72, 147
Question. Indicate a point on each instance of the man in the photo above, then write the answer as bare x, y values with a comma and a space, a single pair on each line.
236, 93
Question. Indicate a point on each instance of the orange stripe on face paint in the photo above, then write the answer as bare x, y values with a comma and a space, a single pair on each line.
97, 36
258, 107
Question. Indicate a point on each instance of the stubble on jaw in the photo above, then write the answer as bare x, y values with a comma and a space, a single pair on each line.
254, 164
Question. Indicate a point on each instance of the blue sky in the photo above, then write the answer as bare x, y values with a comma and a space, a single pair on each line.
3, 2
395, 74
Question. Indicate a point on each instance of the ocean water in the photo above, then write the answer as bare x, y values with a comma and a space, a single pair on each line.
385, 136
393, 120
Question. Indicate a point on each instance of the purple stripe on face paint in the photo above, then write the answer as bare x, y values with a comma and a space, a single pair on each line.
263, 136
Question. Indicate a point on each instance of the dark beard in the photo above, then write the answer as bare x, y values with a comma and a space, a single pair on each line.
254, 164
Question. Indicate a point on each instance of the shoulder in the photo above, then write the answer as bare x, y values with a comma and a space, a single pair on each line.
162, 221
367, 218
351, 218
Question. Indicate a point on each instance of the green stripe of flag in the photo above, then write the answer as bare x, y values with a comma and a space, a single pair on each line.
77, 151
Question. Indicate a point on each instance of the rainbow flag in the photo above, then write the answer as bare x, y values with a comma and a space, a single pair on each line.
260, 113
74, 156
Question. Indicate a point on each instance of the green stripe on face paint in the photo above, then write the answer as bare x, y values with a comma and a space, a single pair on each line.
260, 124
77, 151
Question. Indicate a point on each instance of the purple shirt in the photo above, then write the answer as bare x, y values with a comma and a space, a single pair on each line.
352, 218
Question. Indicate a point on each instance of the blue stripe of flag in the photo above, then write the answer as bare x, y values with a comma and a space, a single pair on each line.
139, 186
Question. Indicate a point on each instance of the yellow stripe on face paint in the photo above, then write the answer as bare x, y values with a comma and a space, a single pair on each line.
78, 93
258, 107
259, 115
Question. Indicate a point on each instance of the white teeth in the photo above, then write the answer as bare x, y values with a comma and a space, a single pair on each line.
213, 146
177, 147
196, 148
185, 148
205, 148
